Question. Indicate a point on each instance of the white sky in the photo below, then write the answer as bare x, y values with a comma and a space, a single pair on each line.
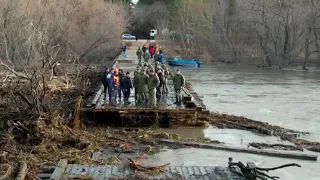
135, 1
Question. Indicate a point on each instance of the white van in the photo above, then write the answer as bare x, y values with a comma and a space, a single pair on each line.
153, 33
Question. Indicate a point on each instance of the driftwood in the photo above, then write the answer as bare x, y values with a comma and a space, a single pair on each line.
136, 165
76, 113
276, 146
296, 155
8, 172
22, 171
253, 172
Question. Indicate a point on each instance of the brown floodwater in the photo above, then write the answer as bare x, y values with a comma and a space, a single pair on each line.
288, 98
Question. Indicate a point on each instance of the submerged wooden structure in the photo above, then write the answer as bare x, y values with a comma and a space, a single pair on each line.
98, 109
103, 172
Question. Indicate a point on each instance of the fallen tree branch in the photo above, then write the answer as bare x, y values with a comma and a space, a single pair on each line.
19, 124
30, 104
22, 171
8, 172
279, 167
275, 146
21, 75
251, 171
136, 165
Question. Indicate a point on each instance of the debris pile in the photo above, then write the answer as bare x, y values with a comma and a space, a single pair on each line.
252, 172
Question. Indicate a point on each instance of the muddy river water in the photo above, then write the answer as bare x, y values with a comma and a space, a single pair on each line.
289, 98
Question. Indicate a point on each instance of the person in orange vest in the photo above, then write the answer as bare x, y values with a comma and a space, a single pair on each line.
116, 84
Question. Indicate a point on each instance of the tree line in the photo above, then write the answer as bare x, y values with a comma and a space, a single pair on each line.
270, 32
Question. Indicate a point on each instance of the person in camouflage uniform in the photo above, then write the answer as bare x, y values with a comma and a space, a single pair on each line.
142, 85
135, 82
166, 74
178, 83
146, 56
153, 83
139, 54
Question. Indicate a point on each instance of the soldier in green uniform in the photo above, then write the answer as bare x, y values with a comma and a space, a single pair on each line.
146, 57
142, 85
139, 54
178, 83
166, 77
153, 83
135, 82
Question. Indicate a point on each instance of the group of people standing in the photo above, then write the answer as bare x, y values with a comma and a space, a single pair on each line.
151, 52
150, 83
116, 84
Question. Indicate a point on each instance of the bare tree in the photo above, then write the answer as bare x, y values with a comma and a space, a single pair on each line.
311, 35
35, 35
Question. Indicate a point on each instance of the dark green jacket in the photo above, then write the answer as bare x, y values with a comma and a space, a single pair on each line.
178, 81
139, 52
153, 81
166, 73
146, 56
142, 83
135, 79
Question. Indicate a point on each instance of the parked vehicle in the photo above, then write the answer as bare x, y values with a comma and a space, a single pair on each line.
128, 36
153, 33
177, 61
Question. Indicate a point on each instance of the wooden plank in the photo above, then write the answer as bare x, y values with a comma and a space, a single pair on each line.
97, 96
102, 173
283, 154
59, 170
85, 169
179, 171
91, 170
44, 175
133, 109
96, 172
48, 169
67, 171
73, 172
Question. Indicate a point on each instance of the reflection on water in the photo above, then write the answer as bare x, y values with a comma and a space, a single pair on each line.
285, 98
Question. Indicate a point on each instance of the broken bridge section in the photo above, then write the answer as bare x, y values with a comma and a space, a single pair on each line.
104, 172
98, 109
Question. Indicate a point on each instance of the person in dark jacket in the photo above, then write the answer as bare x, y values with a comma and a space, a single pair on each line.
124, 51
127, 85
160, 57
178, 84
104, 81
121, 80
107, 81
144, 48
160, 87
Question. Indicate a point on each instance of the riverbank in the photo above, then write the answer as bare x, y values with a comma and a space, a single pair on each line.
51, 136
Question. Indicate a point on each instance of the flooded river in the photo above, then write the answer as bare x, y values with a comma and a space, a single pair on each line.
289, 98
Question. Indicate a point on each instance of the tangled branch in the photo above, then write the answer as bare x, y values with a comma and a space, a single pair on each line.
255, 172
136, 165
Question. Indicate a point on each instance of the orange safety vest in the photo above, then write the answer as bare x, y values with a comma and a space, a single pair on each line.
116, 81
